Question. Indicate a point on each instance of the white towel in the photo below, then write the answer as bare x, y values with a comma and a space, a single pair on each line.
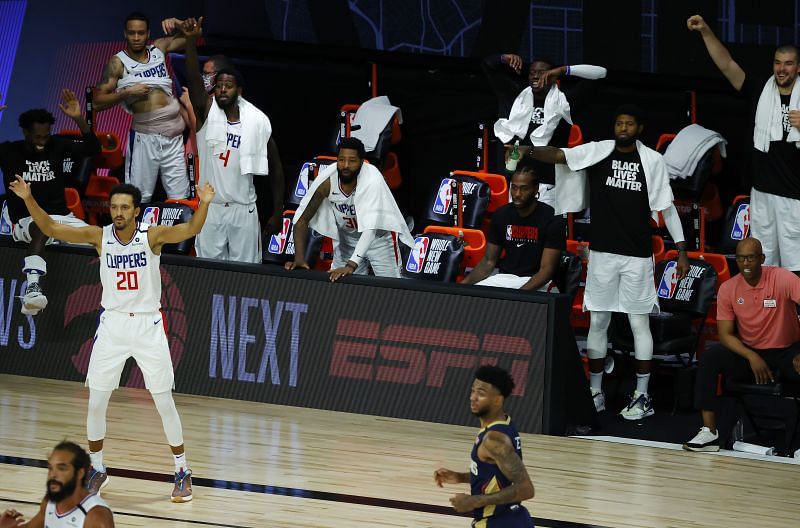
769, 120
371, 119
688, 147
375, 206
256, 131
572, 193
556, 107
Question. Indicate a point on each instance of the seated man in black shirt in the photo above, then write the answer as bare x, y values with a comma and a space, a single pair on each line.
529, 232
628, 185
39, 159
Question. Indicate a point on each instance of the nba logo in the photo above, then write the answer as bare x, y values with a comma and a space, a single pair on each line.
444, 197
301, 188
669, 281
278, 242
741, 224
417, 257
5, 221
150, 216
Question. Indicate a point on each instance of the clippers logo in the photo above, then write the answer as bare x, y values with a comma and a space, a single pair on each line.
418, 355
741, 224
669, 281
151, 215
301, 188
417, 257
444, 197
277, 243
5, 220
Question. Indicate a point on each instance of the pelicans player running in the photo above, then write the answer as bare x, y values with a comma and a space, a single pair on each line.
131, 323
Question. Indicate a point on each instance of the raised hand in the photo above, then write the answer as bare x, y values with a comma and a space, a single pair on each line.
206, 193
168, 25
20, 187
513, 61
191, 28
550, 76
69, 104
11, 518
696, 23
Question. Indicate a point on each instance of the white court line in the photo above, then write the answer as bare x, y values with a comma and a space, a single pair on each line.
679, 447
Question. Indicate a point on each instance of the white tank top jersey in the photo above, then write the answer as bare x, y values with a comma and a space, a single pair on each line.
75, 517
223, 171
344, 207
130, 273
154, 72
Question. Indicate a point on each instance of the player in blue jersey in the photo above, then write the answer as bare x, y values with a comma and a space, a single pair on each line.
498, 479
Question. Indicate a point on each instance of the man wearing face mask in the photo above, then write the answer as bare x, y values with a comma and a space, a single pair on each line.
541, 114
231, 138
67, 503
41, 161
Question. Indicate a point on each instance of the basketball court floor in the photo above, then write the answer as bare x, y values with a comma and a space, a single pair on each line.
258, 464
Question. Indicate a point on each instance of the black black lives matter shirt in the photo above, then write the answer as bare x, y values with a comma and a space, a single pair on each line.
524, 238
620, 206
43, 170
777, 171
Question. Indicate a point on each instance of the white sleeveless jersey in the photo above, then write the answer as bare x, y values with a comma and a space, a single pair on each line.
73, 518
223, 171
154, 72
344, 207
130, 273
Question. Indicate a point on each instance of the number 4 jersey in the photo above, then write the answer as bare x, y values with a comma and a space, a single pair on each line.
130, 272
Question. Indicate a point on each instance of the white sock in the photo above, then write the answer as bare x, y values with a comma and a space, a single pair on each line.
642, 381
180, 462
97, 461
33, 267
596, 381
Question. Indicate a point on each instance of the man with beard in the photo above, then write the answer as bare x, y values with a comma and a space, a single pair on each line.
351, 203
138, 78
498, 479
758, 332
131, 323
233, 138
67, 503
529, 232
41, 160
628, 185
542, 113
775, 197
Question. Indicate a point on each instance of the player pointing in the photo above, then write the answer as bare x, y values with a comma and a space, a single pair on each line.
131, 322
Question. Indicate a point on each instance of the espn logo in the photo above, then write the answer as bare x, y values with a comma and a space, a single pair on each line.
413, 355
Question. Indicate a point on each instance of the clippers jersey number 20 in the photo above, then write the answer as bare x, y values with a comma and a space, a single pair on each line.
127, 280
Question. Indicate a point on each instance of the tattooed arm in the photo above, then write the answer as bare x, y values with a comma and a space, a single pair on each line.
502, 453
106, 96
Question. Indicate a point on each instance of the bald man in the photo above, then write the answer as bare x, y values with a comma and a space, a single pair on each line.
758, 333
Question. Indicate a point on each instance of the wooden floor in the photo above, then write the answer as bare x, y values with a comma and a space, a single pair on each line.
307, 467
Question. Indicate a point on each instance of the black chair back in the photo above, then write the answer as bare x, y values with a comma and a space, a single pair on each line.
475, 194
435, 257
169, 214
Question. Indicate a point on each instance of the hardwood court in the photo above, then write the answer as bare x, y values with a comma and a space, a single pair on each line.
266, 465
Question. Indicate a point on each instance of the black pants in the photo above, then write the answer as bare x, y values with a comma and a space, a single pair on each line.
719, 360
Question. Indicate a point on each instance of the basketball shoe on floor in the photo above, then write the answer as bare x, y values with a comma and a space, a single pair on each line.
599, 398
34, 300
640, 406
97, 480
705, 441
183, 486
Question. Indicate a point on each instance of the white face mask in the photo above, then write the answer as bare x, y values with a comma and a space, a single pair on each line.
208, 81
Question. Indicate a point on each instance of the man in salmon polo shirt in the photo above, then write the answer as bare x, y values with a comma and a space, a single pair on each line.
759, 333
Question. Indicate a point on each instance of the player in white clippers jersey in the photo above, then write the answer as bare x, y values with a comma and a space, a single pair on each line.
67, 503
131, 323
351, 203
234, 141
138, 78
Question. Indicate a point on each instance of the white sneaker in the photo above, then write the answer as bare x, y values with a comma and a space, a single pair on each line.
34, 300
640, 406
599, 398
705, 441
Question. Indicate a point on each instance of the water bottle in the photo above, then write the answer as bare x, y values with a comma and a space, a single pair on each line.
513, 158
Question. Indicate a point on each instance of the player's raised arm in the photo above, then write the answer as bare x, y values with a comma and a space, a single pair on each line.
191, 30
79, 235
160, 235
300, 232
718, 52
170, 41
